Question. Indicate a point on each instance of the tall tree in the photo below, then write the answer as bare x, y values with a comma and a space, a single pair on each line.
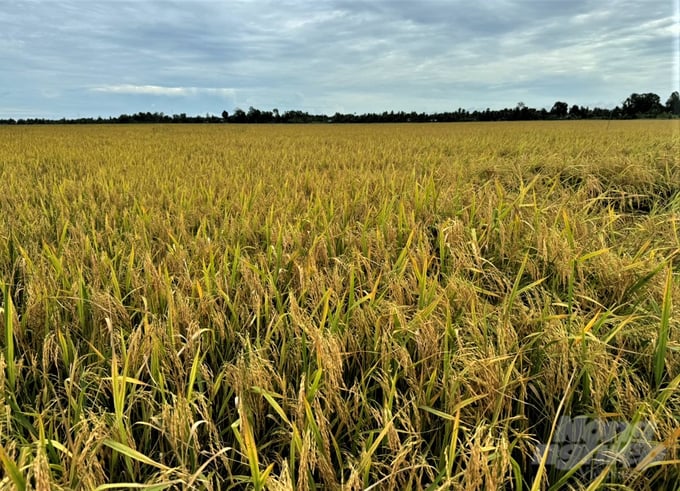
642, 105
575, 112
560, 109
673, 104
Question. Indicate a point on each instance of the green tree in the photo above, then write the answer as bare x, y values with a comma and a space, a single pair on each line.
673, 104
239, 115
642, 105
575, 112
560, 109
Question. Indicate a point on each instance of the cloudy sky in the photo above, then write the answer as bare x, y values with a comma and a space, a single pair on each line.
71, 58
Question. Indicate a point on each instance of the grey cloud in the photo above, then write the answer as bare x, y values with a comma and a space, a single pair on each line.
331, 55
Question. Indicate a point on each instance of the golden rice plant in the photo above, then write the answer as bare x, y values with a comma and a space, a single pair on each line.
337, 307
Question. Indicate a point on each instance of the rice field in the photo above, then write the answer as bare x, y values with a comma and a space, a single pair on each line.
338, 307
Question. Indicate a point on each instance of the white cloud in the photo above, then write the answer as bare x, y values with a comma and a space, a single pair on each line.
159, 90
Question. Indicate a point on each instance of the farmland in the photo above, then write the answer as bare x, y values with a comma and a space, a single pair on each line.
324, 306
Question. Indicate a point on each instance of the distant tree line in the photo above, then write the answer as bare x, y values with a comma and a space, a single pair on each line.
636, 106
